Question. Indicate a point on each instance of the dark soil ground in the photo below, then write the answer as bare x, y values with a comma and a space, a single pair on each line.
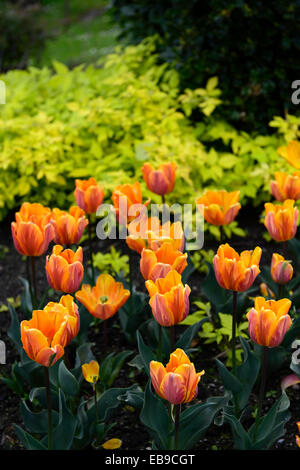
129, 428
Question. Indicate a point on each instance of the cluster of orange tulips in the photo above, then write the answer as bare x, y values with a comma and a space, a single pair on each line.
162, 262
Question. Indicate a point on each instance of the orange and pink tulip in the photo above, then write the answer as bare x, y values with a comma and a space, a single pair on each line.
220, 207
50, 330
162, 180
178, 381
105, 299
291, 153
169, 299
281, 220
157, 264
124, 197
68, 226
286, 186
281, 269
32, 231
269, 321
236, 272
89, 195
64, 269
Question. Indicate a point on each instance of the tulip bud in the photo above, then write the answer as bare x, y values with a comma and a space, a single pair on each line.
269, 321
89, 195
160, 181
281, 269
178, 381
64, 269
281, 220
90, 372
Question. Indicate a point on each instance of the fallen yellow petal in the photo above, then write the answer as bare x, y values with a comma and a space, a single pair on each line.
112, 444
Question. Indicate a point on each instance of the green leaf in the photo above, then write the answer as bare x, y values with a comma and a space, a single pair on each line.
63, 433
67, 381
154, 415
14, 331
27, 440
145, 352
185, 340
37, 422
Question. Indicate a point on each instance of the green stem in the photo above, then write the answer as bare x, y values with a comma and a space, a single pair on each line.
96, 407
34, 303
233, 341
29, 278
105, 333
159, 341
281, 290
176, 425
284, 250
91, 247
262, 388
48, 392
172, 338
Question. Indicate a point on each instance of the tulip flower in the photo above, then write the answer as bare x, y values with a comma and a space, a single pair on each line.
281, 269
178, 381
151, 234
265, 290
162, 180
220, 207
169, 299
105, 299
286, 186
90, 372
64, 269
291, 153
68, 226
50, 330
281, 220
32, 231
298, 437
124, 197
157, 264
89, 195
236, 272
269, 321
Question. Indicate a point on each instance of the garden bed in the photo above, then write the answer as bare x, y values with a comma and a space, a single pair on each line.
128, 428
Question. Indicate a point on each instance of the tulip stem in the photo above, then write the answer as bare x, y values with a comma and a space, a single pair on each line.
284, 250
176, 425
96, 407
48, 392
281, 289
29, 279
172, 338
34, 282
105, 333
262, 388
233, 344
91, 247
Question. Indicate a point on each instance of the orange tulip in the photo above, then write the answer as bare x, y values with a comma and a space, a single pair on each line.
45, 336
160, 181
89, 195
169, 299
32, 232
105, 299
64, 269
286, 186
281, 269
90, 372
269, 321
291, 153
149, 233
124, 197
68, 226
220, 207
236, 272
298, 437
281, 220
157, 264
178, 381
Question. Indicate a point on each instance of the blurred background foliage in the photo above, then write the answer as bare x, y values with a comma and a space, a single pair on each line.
252, 46
209, 87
